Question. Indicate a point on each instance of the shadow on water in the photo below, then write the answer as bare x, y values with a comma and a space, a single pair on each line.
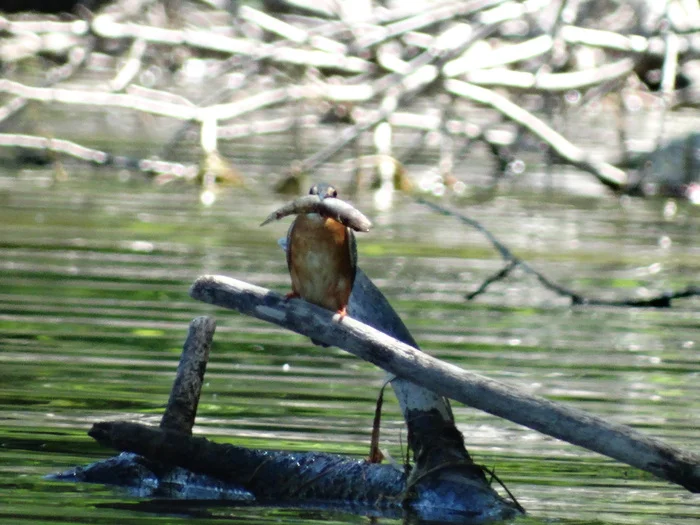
94, 309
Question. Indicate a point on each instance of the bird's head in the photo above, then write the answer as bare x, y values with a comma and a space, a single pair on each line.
323, 190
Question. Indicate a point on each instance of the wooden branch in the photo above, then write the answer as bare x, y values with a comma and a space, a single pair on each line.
106, 27
76, 60
74, 27
607, 173
273, 25
308, 478
437, 15
99, 98
269, 475
570, 424
98, 157
184, 396
551, 82
152, 106
637, 44
131, 67
502, 56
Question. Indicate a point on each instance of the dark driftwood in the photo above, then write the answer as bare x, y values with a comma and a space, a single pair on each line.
184, 396
570, 424
252, 469
315, 477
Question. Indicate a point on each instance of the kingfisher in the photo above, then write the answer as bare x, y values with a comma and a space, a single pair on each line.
322, 257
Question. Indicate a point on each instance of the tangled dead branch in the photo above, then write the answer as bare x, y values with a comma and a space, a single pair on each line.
484, 60
512, 261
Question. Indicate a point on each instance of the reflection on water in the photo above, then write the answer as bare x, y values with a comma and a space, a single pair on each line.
94, 310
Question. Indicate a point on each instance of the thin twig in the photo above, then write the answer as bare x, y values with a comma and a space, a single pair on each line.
498, 276
661, 301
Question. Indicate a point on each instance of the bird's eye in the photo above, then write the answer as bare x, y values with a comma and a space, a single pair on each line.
334, 193
313, 190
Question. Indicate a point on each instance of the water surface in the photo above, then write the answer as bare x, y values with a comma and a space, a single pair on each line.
94, 310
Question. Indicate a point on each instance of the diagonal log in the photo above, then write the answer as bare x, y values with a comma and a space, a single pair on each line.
560, 421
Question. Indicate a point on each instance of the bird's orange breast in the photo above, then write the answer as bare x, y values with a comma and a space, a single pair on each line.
319, 261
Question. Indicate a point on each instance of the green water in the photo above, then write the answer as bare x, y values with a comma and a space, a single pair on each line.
94, 310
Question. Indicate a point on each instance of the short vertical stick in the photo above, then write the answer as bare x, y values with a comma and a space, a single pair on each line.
187, 387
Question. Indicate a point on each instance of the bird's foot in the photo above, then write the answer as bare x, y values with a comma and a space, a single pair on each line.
291, 295
342, 312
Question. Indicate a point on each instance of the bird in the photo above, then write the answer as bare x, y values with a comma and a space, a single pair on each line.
322, 257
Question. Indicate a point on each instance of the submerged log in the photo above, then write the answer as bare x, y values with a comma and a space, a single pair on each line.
304, 477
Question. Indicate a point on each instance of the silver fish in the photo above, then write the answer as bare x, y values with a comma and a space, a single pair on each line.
330, 207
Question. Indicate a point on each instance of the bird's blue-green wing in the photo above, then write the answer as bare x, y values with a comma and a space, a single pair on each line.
352, 245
